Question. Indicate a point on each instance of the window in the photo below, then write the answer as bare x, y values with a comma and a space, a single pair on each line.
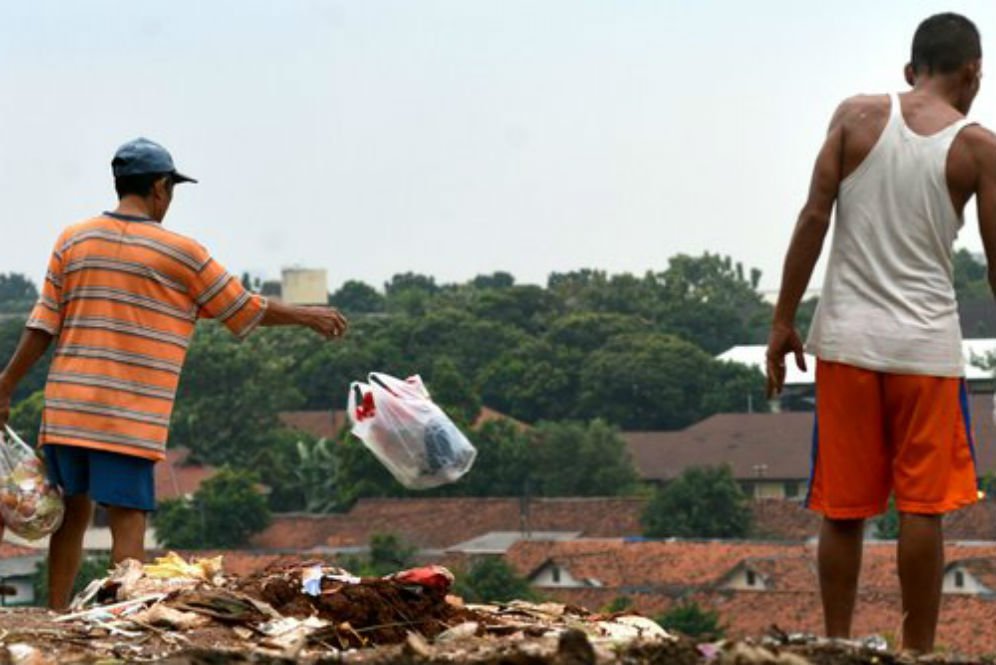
959, 579
751, 578
791, 490
556, 574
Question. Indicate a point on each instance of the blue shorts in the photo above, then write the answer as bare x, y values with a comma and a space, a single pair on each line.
111, 479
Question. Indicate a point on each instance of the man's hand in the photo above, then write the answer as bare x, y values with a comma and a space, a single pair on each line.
782, 341
327, 322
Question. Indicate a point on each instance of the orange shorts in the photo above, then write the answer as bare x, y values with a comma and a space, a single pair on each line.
879, 433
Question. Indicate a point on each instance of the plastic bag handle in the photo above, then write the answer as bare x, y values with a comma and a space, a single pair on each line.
376, 379
357, 393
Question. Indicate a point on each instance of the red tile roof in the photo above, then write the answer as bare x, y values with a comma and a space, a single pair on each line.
11, 551
780, 442
657, 575
443, 523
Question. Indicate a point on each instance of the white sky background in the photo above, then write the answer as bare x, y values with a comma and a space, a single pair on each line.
450, 137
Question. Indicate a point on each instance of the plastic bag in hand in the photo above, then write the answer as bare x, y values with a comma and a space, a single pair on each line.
30, 506
408, 432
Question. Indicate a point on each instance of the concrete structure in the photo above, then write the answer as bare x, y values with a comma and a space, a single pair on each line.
304, 286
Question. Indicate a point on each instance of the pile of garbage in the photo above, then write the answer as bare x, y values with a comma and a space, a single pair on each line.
184, 612
307, 610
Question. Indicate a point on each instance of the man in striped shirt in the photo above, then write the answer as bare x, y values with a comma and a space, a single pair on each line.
121, 299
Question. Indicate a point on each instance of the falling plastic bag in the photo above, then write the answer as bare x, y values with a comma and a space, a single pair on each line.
408, 432
30, 506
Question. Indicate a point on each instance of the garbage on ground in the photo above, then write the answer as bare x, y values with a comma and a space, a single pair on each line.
304, 610
30, 506
410, 435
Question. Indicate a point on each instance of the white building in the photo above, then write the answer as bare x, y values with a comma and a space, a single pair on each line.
304, 286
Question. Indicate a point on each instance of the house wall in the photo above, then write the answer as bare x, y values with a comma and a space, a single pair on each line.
545, 578
24, 591
301, 286
774, 489
738, 581
971, 584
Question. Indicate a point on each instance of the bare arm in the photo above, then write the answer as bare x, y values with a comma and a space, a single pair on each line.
29, 350
326, 321
984, 151
803, 252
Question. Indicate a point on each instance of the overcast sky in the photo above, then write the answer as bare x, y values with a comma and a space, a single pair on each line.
449, 137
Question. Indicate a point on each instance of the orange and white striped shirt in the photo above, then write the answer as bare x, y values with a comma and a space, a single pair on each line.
122, 295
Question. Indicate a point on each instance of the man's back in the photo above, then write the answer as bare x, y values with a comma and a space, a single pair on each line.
122, 295
888, 301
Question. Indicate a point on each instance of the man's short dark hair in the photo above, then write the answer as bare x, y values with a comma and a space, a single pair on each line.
943, 43
139, 185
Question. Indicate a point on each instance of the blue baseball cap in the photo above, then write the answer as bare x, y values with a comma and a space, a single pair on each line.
142, 156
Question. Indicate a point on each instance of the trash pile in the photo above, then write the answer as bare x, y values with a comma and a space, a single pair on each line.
306, 611
185, 612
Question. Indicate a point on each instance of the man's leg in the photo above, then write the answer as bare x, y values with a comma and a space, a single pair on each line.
921, 571
127, 533
65, 550
839, 557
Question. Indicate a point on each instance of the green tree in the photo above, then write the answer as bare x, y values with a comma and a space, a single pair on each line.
17, 293
453, 392
618, 604
575, 459
490, 579
590, 331
887, 524
93, 567
531, 381
703, 502
225, 512
734, 388
710, 301
26, 416
691, 620
496, 280
389, 553
355, 297
504, 461
230, 395
10, 334
645, 382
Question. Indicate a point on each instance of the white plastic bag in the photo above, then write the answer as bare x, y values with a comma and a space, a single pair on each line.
30, 506
407, 432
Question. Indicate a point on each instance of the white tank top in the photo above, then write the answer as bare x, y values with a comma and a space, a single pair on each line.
888, 301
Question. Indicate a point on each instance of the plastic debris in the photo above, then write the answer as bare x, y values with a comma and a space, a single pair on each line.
410, 435
30, 506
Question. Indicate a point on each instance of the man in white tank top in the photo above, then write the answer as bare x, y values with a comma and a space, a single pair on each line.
891, 405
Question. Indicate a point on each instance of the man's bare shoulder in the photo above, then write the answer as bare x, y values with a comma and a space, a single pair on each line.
860, 109
979, 142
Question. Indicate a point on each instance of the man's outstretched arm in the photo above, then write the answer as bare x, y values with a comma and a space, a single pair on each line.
803, 252
30, 349
326, 321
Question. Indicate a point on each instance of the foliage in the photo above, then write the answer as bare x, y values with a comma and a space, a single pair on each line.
690, 619
887, 524
618, 604
93, 567
11, 330
26, 416
17, 293
355, 297
703, 502
453, 392
230, 395
388, 554
491, 579
224, 513
575, 459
